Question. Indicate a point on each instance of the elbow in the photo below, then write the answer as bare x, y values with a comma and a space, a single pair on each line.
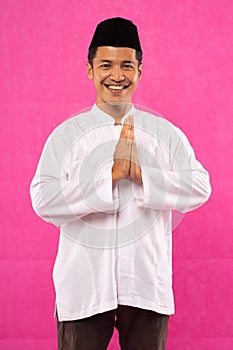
202, 188
38, 204
44, 214
205, 189
207, 192
40, 210
199, 196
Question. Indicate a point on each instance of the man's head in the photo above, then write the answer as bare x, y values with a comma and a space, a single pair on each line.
114, 60
116, 32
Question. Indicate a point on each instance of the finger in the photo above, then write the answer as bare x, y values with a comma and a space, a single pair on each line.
128, 128
134, 153
130, 120
127, 132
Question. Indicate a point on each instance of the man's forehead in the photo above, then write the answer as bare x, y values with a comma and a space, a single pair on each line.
112, 52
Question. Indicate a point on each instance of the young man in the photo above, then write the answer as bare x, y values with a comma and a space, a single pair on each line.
109, 177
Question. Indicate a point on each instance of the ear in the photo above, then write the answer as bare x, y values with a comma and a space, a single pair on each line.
139, 71
89, 71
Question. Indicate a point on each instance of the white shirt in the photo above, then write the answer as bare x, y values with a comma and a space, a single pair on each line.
115, 243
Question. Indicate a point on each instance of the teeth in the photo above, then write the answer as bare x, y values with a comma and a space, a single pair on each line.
116, 87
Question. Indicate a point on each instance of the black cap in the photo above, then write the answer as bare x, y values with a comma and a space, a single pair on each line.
118, 32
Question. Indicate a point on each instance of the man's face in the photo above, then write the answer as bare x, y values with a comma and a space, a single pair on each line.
115, 74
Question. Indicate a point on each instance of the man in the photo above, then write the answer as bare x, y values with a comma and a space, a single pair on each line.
109, 177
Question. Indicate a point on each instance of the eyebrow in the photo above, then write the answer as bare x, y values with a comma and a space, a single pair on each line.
125, 61
101, 61
128, 61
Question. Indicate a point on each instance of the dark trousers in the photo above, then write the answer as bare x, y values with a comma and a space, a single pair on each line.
138, 330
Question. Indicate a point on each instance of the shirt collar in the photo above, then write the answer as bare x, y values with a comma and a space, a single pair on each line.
104, 117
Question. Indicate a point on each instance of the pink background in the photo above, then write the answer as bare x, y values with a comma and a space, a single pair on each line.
187, 77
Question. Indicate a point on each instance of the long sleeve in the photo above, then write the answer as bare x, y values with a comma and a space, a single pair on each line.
67, 185
184, 185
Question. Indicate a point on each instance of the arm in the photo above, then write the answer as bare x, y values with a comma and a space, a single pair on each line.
184, 187
66, 187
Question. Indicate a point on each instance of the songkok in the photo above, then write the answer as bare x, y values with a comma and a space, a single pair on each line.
118, 32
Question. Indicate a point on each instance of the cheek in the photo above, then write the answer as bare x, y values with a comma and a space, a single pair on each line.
135, 78
97, 80
100, 75
135, 81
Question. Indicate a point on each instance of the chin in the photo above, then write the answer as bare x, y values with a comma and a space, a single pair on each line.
119, 99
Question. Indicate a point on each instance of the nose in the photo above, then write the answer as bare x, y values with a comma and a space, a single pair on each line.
117, 74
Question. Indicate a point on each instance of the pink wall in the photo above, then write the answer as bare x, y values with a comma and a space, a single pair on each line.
188, 77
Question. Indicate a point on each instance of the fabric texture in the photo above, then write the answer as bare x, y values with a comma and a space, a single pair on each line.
138, 330
115, 244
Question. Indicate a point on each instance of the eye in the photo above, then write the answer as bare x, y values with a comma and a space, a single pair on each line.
105, 65
128, 66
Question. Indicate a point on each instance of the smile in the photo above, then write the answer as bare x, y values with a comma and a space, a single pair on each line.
116, 87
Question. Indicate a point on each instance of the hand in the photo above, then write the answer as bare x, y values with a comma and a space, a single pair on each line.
135, 171
121, 166
126, 157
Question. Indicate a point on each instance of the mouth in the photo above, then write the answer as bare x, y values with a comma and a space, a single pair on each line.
116, 88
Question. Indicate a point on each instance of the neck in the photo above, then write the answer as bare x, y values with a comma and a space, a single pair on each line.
115, 110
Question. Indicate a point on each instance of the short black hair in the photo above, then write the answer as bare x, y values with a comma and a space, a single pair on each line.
92, 54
